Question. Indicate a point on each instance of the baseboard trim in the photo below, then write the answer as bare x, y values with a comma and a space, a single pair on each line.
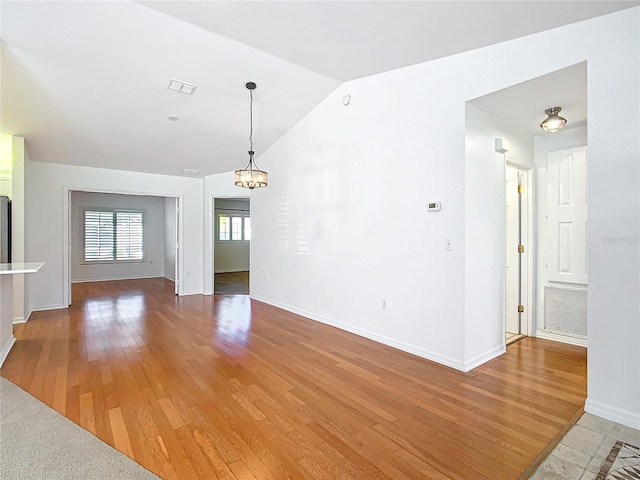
391, 342
113, 279
561, 338
25, 319
484, 358
6, 349
42, 308
618, 415
184, 294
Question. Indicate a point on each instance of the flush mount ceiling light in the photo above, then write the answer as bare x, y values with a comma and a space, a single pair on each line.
553, 122
251, 176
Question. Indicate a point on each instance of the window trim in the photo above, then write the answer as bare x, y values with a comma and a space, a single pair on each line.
113, 210
231, 215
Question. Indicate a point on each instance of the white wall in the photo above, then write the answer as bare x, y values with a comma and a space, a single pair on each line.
153, 264
19, 156
170, 238
230, 257
46, 202
217, 186
333, 216
6, 162
485, 231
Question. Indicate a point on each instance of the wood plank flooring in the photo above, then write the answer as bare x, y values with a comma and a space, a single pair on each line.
232, 282
222, 387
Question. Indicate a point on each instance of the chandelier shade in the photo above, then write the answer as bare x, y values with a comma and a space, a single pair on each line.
251, 176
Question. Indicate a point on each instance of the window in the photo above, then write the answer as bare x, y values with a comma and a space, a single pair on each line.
233, 228
112, 235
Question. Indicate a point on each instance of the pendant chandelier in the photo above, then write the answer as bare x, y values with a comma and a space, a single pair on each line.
251, 176
553, 122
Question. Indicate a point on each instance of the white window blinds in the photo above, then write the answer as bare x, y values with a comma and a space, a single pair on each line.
113, 235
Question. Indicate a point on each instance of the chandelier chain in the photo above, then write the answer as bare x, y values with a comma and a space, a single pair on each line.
251, 119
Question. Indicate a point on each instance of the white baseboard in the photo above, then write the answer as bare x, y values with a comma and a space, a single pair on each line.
561, 338
42, 308
24, 319
169, 278
625, 417
484, 358
6, 349
193, 292
112, 279
391, 342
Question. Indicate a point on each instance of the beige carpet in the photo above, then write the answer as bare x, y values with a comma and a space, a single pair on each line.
36, 442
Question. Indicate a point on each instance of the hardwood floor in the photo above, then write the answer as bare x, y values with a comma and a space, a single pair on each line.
232, 282
229, 388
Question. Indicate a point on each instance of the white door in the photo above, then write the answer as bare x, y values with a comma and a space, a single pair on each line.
563, 275
513, 240
566, 222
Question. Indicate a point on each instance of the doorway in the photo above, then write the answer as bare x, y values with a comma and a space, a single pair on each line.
120, 235
562, 279
231, 245
516, 255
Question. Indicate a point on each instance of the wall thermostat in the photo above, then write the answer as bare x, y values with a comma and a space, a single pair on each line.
434, 206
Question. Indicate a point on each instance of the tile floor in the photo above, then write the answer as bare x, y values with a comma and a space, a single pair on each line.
584, 448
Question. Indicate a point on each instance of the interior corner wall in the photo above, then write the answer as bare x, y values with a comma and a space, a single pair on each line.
153, 262
46, 198
349, 216
485, 232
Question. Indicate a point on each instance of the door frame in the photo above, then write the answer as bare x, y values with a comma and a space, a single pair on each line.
539, 288
66, 234
528, 257
212, 234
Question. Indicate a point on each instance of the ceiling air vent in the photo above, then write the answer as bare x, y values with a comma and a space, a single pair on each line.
182, 87
191, 172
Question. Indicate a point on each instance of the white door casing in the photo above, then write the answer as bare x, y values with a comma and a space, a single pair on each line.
176, 285
512, 267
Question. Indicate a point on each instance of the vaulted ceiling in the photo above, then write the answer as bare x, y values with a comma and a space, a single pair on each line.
86, 82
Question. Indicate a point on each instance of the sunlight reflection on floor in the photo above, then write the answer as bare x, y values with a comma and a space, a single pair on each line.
234, 320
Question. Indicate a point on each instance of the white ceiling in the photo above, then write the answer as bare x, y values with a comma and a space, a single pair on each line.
86, 82
522, 106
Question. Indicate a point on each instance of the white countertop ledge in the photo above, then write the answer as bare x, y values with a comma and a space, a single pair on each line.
15, 268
